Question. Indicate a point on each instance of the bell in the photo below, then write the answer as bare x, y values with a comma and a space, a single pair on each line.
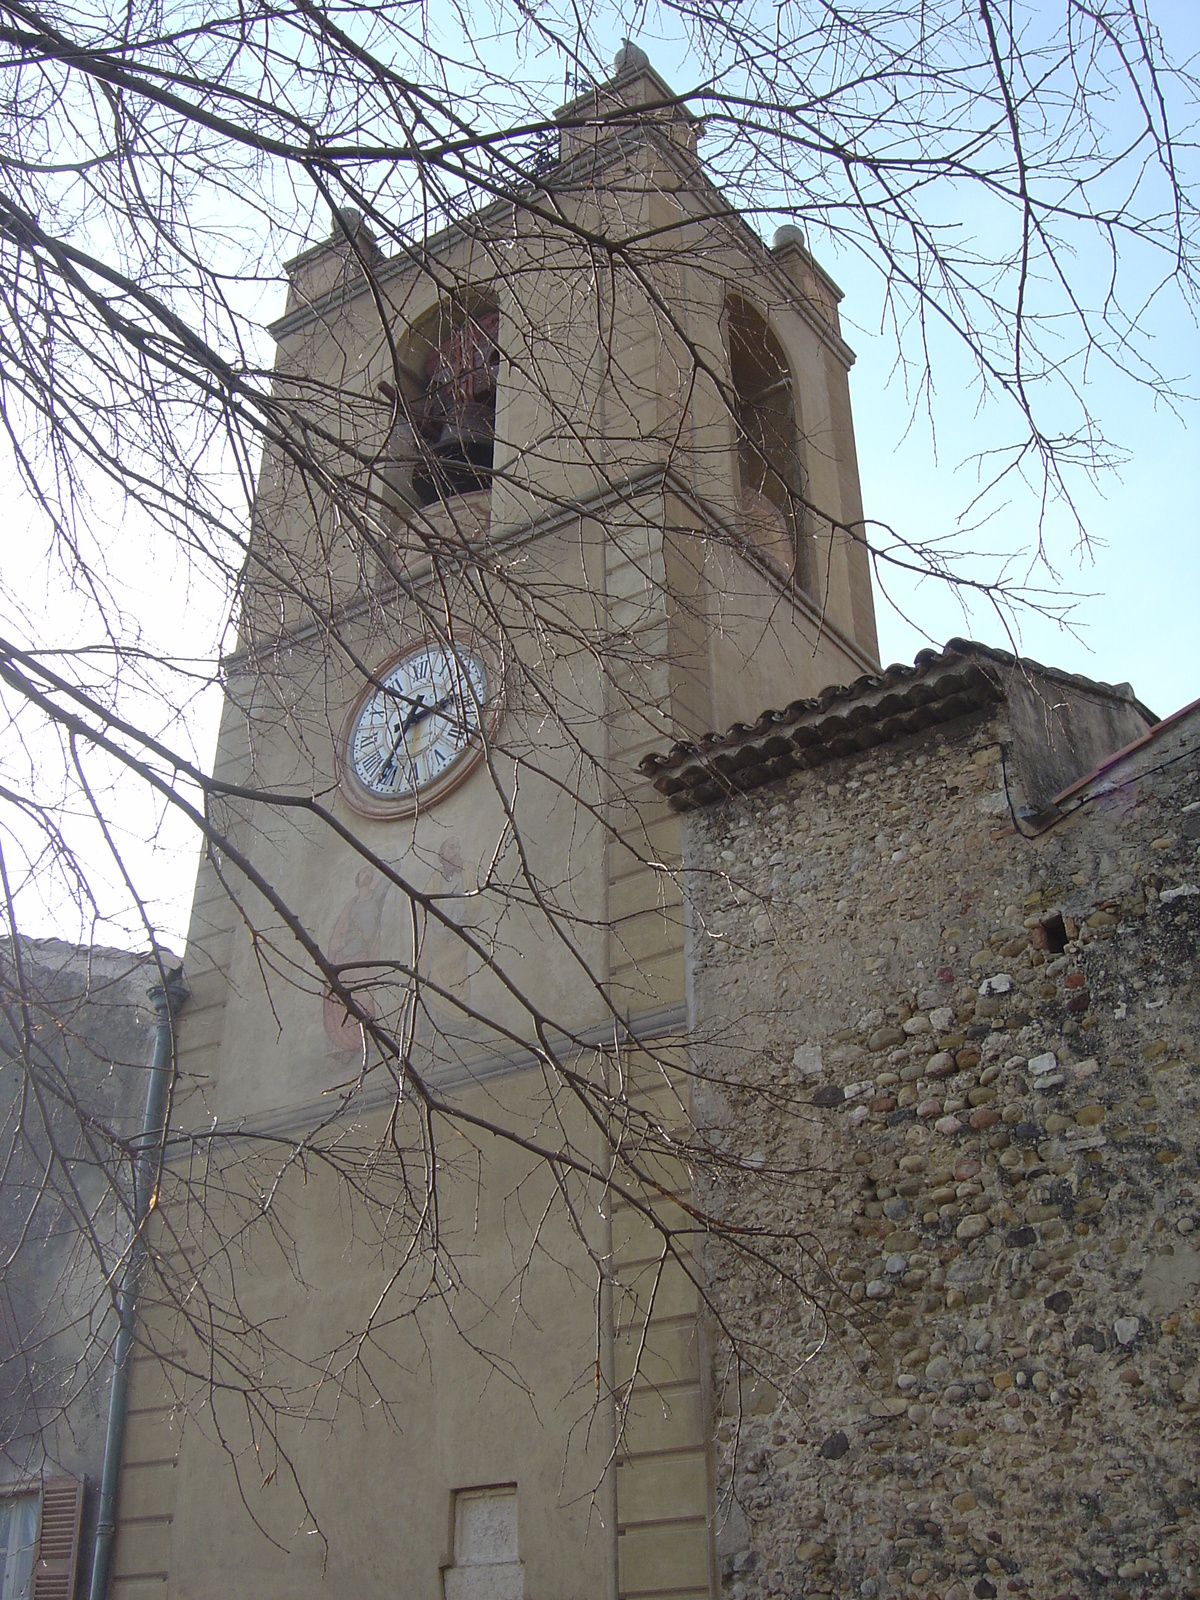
459, 455
467, 436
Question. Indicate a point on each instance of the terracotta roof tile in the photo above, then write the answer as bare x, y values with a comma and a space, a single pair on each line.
843, 718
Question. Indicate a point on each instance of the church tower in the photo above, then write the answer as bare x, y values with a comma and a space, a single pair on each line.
567, 478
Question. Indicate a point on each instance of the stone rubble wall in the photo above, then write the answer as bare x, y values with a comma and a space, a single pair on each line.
981, 1377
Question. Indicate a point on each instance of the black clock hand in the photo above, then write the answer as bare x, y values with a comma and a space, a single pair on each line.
419, 710
437, 710
424, 711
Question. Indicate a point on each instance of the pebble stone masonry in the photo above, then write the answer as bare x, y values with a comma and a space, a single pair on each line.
956, 1055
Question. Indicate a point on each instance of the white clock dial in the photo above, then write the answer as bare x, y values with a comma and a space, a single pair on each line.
419, 722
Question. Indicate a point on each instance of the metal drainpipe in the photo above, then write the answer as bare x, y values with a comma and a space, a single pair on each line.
167, 1001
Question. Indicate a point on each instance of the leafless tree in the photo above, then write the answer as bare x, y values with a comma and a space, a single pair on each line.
1020, 178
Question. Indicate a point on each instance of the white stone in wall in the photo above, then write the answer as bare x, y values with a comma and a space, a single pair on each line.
496, 1581
485, 1547
806, 1061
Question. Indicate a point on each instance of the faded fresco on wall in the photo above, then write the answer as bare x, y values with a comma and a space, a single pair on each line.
363, 943
446, 959
357, 938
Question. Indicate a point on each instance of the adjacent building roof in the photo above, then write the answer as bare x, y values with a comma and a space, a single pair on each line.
845, 718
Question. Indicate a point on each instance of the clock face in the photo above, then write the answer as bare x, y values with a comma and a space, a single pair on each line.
418, 727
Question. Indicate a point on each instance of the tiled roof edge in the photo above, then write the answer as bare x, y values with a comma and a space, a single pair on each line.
843, 718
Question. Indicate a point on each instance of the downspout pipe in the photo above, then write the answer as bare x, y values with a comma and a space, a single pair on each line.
167, 999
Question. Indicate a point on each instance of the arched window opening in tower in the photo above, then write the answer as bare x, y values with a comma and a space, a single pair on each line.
456, 414
770, 480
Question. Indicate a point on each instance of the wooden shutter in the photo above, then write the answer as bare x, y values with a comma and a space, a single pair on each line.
58, 1539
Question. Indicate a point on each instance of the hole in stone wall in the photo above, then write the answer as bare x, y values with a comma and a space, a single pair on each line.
1053, 931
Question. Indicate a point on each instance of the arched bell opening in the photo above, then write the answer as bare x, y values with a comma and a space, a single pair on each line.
443, 411
455, 413
770, 484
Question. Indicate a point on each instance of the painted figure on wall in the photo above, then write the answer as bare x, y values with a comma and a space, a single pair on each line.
356, 941
448, 960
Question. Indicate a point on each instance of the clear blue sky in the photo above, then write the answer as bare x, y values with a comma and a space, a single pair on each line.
1138, 616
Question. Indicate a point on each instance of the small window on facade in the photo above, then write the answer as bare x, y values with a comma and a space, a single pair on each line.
456, 414
768, 456
485, 1565
18, 1542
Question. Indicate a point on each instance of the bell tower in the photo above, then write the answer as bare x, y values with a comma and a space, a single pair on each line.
571, 475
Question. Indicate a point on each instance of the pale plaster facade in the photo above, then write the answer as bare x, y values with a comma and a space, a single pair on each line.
616, 511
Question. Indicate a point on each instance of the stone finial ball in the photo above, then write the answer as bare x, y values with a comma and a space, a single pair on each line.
630, 58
